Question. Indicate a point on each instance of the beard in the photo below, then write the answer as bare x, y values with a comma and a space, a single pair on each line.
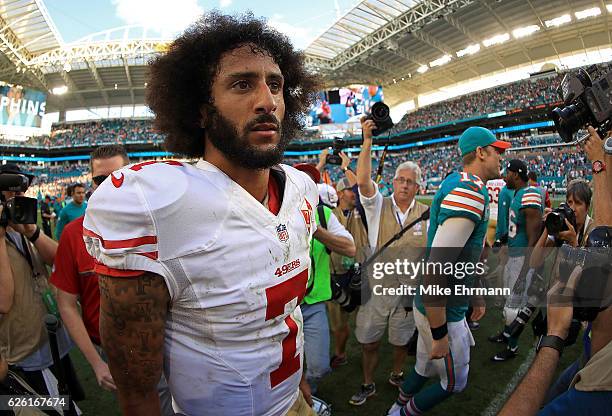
224, 136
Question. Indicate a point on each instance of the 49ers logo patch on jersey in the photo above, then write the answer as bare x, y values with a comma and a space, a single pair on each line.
282, 233
306, 210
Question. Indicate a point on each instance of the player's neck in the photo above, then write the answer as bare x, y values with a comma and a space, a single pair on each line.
473, 169
254, 181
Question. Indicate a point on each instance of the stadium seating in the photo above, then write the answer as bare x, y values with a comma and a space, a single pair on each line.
517, 95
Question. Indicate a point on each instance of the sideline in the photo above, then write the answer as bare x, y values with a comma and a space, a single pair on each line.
498, 401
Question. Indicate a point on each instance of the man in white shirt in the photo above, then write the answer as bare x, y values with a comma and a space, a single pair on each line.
385, 218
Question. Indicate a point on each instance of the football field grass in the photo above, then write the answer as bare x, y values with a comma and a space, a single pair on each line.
486, 379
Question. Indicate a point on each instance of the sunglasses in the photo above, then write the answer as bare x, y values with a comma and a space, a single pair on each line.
99, 179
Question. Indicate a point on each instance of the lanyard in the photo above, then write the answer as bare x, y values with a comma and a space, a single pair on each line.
399, 221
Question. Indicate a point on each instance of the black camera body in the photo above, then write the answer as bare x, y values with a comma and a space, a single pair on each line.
555, 220
346, 290
19, 209
586, 102
380, 115
337, 146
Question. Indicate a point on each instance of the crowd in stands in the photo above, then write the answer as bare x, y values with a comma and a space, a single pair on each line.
551, 164
520, 94
516, 95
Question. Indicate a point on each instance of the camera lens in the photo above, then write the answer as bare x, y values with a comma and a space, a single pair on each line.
554, 223
380, 112
569, 120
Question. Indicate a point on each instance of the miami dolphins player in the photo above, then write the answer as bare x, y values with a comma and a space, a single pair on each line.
458, 227
524, 229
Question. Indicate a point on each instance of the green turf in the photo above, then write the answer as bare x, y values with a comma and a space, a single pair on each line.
486, 378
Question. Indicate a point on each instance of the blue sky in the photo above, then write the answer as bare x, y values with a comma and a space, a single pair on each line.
301, 20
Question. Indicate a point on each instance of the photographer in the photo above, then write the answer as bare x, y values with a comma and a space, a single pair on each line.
23, 338
591, 389
578, 198
349, 216
385, 218
590, 392
602, 177
330, 237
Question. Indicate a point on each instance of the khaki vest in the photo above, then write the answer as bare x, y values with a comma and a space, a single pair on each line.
22, 330
415, 237
354, 226
597, 373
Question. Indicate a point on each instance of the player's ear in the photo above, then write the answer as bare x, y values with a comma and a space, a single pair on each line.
206, 112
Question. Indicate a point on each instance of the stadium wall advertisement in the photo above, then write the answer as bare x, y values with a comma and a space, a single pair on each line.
21, 110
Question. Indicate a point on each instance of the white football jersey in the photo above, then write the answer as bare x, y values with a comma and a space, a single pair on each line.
494, 186
236, 274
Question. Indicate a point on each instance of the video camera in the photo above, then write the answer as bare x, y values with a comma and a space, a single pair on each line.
555, 220
338, 145
19, 209
380, 114
587, 102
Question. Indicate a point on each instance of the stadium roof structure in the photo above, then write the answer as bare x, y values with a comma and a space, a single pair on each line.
410, 47
418, 46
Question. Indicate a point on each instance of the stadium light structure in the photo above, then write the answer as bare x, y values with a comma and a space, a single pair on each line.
609, 7
60, 90
586, 13
469, 50
440, 61
496, 40
521, 32
422, 69
558, 21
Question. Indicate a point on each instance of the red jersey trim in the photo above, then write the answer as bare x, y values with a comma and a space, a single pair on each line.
109, 271
129, 243
274, 202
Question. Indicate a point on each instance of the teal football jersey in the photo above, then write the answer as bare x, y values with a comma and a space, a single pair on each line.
503, 207
460, 195
529, 197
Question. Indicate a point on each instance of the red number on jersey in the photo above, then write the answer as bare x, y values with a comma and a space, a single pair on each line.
278, 296
494, 194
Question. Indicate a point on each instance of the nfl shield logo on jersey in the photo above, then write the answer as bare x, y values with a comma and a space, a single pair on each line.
281, 231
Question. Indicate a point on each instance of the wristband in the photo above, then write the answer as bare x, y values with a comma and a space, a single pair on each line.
439, 332
551, 341
35, 235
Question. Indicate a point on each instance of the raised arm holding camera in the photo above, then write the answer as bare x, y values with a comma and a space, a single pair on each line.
385, 218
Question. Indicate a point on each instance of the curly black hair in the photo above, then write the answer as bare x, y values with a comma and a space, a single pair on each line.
180, 80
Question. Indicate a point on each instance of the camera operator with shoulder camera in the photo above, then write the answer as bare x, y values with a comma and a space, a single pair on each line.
25, 294
386, 217
590, 391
